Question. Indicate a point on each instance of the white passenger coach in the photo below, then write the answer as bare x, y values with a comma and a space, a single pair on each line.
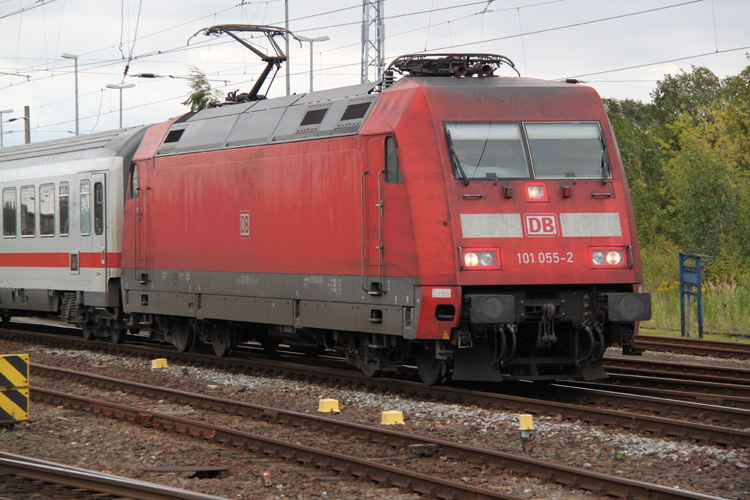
62, 204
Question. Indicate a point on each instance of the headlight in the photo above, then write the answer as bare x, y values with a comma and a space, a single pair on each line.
597, 258
614, 257
607, 258
480, 258
486, 258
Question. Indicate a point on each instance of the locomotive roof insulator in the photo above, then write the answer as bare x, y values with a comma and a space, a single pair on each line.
459, 65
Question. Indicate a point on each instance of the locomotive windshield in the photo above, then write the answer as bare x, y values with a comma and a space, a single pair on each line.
556, 150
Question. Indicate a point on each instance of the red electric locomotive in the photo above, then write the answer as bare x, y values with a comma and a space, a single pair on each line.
476, 226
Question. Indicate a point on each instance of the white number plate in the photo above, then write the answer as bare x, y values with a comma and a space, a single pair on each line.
545, 258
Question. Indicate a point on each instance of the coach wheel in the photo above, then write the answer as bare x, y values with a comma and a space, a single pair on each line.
6, 318
183, 336
117, 334
221, 342
310, 351
88, 331
269, 344
431, 371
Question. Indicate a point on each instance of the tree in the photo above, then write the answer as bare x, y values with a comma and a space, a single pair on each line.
687, 157
201, 96
686, 93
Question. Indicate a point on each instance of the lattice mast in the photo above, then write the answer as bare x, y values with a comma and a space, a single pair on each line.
373, 39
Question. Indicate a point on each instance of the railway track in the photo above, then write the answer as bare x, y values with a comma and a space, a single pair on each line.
695, 430
75, 481
696, 347
369, 469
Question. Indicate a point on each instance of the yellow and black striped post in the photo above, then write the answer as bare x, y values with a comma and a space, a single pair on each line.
14, 388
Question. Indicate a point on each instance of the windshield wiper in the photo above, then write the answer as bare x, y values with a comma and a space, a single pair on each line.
454, 157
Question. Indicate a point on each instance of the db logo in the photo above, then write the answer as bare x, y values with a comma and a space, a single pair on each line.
244, 224
540, 224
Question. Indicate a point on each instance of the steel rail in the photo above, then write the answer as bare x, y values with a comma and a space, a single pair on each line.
569, 476
648, 402
696, 347
667, 369
74, 477
716, 394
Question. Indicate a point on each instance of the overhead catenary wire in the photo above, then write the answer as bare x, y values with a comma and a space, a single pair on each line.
328, 69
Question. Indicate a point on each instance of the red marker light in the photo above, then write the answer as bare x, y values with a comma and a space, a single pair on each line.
536, 191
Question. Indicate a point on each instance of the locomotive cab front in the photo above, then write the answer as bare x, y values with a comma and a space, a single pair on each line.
542, 234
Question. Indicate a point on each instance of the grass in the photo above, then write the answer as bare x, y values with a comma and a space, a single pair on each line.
726, 300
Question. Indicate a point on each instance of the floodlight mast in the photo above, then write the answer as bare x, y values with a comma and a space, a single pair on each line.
271, 60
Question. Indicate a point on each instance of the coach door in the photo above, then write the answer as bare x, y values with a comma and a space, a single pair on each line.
99, 228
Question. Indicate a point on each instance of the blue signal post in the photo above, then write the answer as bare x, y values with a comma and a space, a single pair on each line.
691, 265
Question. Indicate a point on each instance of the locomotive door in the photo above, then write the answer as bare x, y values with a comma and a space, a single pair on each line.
99, 229
373, 248
140, 225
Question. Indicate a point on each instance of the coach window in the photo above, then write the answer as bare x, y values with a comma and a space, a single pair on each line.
28, 211
85, 208
392, 168
9, 212
98, 208
64, 209
133, 191
47, 210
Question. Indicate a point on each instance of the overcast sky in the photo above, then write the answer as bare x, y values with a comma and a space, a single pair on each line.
620, 47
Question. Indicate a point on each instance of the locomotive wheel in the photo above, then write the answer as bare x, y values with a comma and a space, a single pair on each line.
88, 331
116, 334
221, 342
183, 336
431, 371
369, 371
6, 318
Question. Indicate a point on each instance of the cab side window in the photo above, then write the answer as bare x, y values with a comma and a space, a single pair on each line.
133, 190
392, 168
28, 211
9, 212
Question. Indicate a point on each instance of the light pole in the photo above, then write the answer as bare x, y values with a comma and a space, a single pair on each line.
286, 39
120, 87
1, 124
75, 60
26, 126
312, 40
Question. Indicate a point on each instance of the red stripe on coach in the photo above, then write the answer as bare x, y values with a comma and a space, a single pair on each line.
87, 260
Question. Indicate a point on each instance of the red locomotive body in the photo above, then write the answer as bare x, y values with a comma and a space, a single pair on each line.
480, 228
